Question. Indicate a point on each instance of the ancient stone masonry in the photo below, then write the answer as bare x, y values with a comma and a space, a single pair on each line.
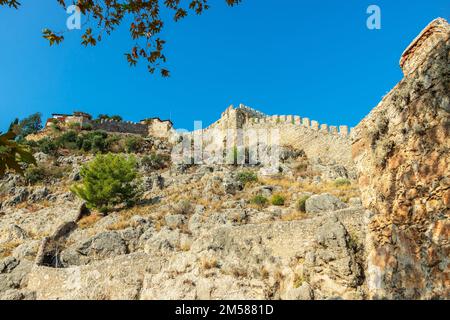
110, 125
245, 117
329, 144
418, 51
401, 153
148, 127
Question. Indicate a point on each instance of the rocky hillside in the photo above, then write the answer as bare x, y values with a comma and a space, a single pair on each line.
307, 230
198, 232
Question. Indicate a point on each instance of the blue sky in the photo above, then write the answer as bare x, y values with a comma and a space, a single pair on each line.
307, 58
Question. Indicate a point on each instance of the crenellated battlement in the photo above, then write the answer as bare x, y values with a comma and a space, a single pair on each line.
319, 141
244, 117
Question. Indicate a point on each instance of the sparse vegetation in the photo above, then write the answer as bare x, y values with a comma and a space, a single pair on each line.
155, 161
277, 200
88, 221
7, 248
47, 146
133, 144
259, 201
207, 263
183, 207
340, 182
107, 181
74, 126
247, 177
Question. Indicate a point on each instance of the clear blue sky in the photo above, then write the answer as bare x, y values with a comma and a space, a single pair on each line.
310, 58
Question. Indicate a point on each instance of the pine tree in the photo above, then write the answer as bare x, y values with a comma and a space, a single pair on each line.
107, 181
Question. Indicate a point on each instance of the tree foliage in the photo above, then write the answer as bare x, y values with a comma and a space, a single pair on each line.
12, 154
147, 22
107, 181
29, 125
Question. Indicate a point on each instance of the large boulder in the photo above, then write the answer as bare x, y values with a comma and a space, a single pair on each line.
322, 203
232, 185
102, 246
39, 194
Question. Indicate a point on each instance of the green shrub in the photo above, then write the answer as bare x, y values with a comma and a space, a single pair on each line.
68, 140
34, 174
133, 144
247, 176
340, 182
86, 126
98, 143
74, 126
277, 200
86, 145
47, 146
259, 200
112, 143
93, 141
107, 181
54, 127
155, 161
301, 204
44, 174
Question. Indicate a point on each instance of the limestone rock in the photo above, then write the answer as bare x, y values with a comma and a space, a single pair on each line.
103, 245
175, 221
401, 152
322, 203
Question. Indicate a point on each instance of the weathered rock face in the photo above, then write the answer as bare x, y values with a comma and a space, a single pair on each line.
401, 151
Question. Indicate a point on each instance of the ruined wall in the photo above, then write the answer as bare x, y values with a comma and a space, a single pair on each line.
401, 152
329, 144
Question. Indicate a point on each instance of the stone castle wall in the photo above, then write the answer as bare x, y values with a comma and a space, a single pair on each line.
330, 144
110, 125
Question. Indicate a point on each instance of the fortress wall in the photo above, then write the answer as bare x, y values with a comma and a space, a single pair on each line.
121, 127
281, 121
330, 144
330, 148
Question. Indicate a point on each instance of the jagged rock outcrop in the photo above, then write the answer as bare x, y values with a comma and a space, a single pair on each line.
401, 151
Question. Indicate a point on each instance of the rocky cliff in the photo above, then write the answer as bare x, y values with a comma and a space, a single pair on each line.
401, 151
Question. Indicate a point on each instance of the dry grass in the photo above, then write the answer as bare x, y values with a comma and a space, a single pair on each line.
88, 221
294, 215
264, 273
7, 248
279, 182
186, 246
119, 225
344, 192
207, 263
